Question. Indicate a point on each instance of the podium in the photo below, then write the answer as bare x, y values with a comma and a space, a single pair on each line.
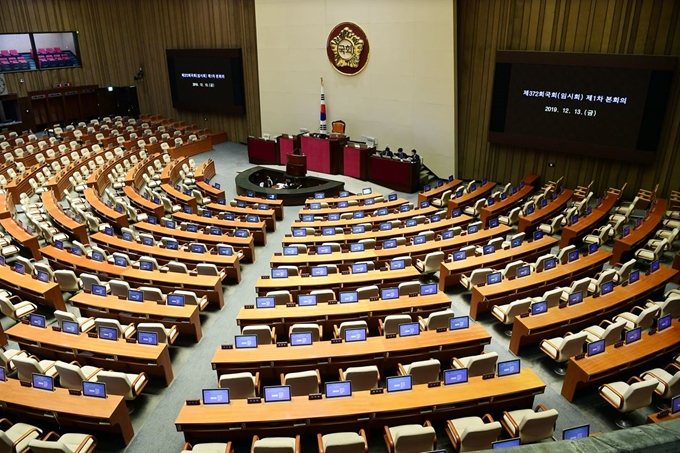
261, 151
296, 165
324, 153
356, 160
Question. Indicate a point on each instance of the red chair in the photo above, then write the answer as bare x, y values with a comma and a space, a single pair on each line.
57, 50
41, 51
49, 50
4, 53
13, 52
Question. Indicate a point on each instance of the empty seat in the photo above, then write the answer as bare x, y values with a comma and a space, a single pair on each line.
13, 307
17, 438
344, 442
72, 375
652, 251
241, 385
560, 349
580, 285
477, 365
339, 331
26, 366
123, 331
609, 331
127, 385
302, 383
436, 320
473, 433
476, 277
65, 443
410, 438
85, 323
670, 306
390, 325
530, 425
628, 396
67, 280
643, 319
164, 334
406, 288
323, 295
362, 377
190, 298
422, 371
315, 329
264, 333
366, 292
276, 445
281, 297
508, 312
431, 262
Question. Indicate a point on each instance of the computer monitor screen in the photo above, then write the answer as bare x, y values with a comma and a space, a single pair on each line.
146, 265
338, 389
366, 191
539, 307
108, 231
192, 228
665, 322
348, 297
573, 256
607, 288
589, 209
99, 290
279, 273
333, 216
493, 223
71, 327
343, 194
579, 432
574, 219
592, 248
504, 195
428, 289
420, 239
459, 194
150, 338
252, 218
306, 300
390, 244
241, 233
127, 237
655, 266
456, 213
324, 249
399, 383
596, 347
197, 248
119, 261
175, 300
514, 442
626, 231
358, 229
385, 226
493, 278
147, 241
319, 196
397, 264
108, 333
43, 276
457, 376
538, 235
135, 295
435, 218
489, 248
37, 320
638, 222
215, 396
357, 247
19, 268
215, 231
490, 202
59, 245
250, 193
359, 215
389, 293
76, 251
458, 323
277, 394
516, 242
271, 196
424, 204
264, 302
369, 201
675, 405
290, 251
319, 271
343, 204
328, 231
550, 263
459, 255
300, 338
633, 335
383, 211
392, 197
188, 209
355, 335
471, 229
151, 220
307, 218
448, 234
245, 341
3, 378
299, 232
544, 203
530, 209
359, 268
576, 297
523, 271
508, 368
634, 276
409, 329
172, 245
404, 208
170, 224
42, 382
224, 251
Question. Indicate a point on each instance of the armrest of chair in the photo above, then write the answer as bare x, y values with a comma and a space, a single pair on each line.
540, 407
513, 430
187, 446
488, 418
255, 439
423, 323
318, 376
388, 440
336, 333
457, 362
24, 436
637, 308
672, 365
649, 373
434, 442
5, 420
94, 373
401, 371
84, 442
134, 383
51, 434
75, 362
381, 327
283, 379
634, 378
605, 322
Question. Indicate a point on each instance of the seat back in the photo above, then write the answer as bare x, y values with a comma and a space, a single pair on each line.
563, 254
343, 443
537, 426
646, 318
638, 395
424, 371
510, 270
363, 377
413, 438
241, 385
350, 325
61, 315
479, 275
70, 376
671, 306
323, 295
391, 323
406, 288
432, 261
26, 366
482, 364
151, 293
66, 279
155, 327
479, 437
117, 383
571, 346
302, 382
613, 332
108, 322
366, 292
281, 297
89, 280
439, 319
263, 333
516, 308
315, 329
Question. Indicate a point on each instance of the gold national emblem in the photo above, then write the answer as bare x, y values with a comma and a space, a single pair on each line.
347, 48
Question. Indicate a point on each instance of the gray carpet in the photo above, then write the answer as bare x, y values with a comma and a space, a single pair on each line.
156, 410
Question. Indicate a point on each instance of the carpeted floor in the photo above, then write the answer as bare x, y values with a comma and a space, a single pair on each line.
156, 409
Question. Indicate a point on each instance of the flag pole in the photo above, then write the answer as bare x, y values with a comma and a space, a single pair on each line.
322, 113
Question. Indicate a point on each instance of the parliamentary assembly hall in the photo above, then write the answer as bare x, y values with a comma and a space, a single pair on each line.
339, 226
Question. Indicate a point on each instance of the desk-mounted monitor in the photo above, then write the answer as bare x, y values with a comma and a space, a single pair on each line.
275, 394
458, 323
399, 383
456, 376
264, 302
389, 293
578, 432
215, 396
508, 368
307, 300
245, 341
349, 297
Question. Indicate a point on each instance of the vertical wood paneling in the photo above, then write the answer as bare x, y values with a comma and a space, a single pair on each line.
598, 26
117, 36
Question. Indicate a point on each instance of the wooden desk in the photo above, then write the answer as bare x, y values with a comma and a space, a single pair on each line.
328, 358
283, 317
47, 294
257, 229
296, 284
502, 206
180, 198
118, 219
110, 355
485, 297
622, 246
77, 413
276, 205
403, 176
135, 250
332, 201
530, 222
267, 215
556, 322
202, 174
211, 286
654, 418
147, 206
415, 251
599, 215
344, 223
244, 245
615, 362
482, 191
185, 318
191, 149
20, 235
391, 205
437, 192
408, 232
361, 410
451, 271
66, 223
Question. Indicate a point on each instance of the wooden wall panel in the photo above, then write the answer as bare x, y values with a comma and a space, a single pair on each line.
116, 37
591, 26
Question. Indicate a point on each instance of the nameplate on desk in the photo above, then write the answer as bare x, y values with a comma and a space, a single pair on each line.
377, 391
56, 328
488, 376
130, 340
618, 344
92, 335
249, 307
254, 400
391, 335
385, 268
562, 305
442, 329
311, 253
344, 251
160, 302
74, 392
372, 299
25, 383
227, 346
664, 413
281, 344
579, 356
265, 277
278, 254
315, 396
595, 295
438, 238
122, 297
290, 304
652, 331
345, 272
24, 321
412, 294
87, 291
193, 402
332, 302
378, 247
624, 283
434, 384
524, 315
162, 270
336, 340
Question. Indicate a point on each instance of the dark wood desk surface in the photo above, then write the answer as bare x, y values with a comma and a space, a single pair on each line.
33, 290
185, 318
485, 297
245, 245
572, 233
530, 222
276, 205
334, 200
451, 271
202, 174
201, 423
318, 224
610, 365
437, 192
30, 241
114, 355
502, 206
592, 310
66, 223
622, 246
470, 198
78, 413
102, 210
268, 215
257, 229
147, 206
271, 360
180, 198
208, 285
